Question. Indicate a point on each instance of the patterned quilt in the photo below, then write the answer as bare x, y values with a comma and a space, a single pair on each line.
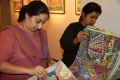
98, 57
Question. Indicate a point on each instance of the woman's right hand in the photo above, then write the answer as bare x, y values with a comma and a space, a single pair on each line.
39, 71
81, 35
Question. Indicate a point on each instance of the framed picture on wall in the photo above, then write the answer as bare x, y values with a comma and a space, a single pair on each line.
32, 0
56, 6
17, 5
77, 7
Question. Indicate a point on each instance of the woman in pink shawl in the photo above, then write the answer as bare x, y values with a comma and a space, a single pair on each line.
23, 47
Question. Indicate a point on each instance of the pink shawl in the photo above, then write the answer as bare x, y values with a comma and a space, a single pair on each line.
29, 50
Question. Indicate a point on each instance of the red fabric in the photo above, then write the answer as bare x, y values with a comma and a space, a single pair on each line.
10, 51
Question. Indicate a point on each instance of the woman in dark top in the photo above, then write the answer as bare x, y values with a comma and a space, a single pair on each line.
74, 33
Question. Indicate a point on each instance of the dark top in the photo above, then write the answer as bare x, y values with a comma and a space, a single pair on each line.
67, 42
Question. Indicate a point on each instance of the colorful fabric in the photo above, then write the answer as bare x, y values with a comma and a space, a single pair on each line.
57, 71
98, 57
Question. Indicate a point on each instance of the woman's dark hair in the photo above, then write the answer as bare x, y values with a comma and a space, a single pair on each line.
89, 8
34, 8
22, 13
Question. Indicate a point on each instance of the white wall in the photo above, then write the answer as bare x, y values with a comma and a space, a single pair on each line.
110, 17
57, 23
56, 26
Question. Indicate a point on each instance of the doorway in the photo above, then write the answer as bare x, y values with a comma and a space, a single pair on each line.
5, 18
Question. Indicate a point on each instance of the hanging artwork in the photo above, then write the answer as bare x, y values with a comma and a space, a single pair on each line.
17, 5
56, 6
98, 56
77, 7
32, 0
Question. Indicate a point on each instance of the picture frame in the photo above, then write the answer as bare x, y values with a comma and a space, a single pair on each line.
32, 0
17, 5
56, 6
77, 7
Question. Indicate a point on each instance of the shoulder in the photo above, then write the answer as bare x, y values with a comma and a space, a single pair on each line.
7, 38
7, 33
73, 25
75, 22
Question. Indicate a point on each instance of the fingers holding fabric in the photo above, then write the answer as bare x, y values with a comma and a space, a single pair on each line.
81, 35
39, 71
